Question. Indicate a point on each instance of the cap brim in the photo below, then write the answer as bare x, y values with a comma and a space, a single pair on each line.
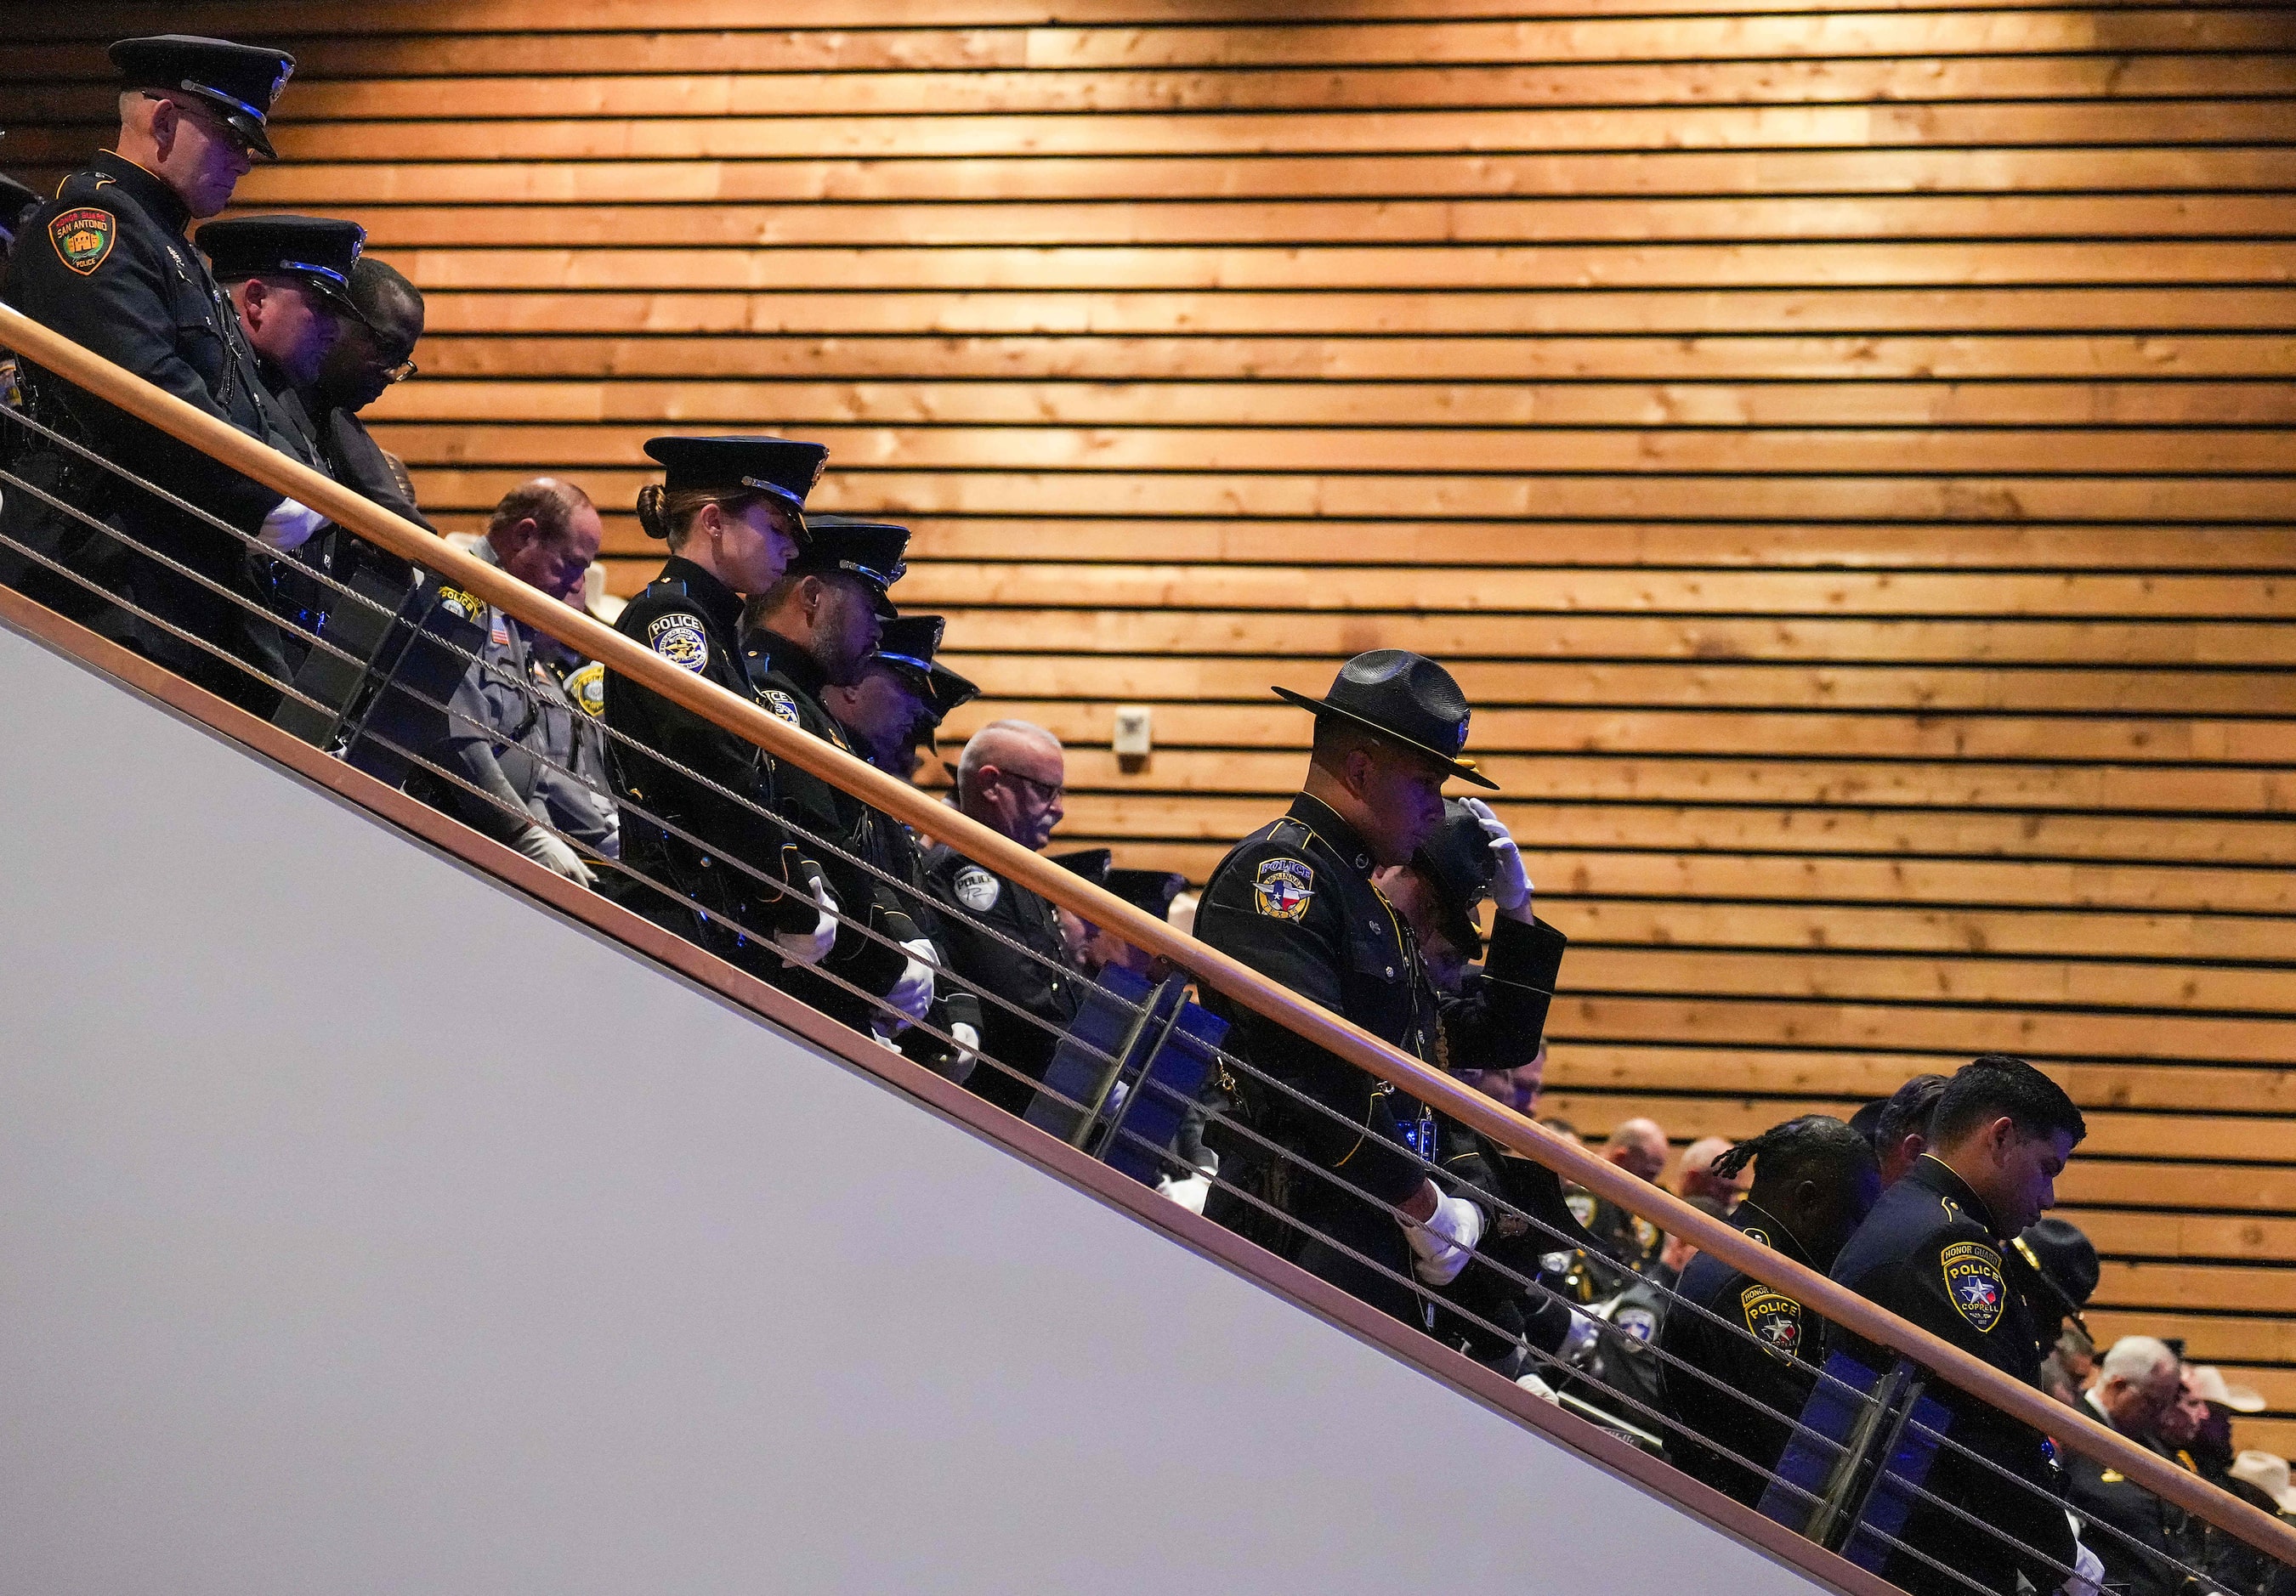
257, 136
1465, 769
886, 608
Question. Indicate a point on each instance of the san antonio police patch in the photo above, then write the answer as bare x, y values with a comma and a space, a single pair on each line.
1972, 1279
1283, 888
781, 704
83, 237
1776, 1319
681, 639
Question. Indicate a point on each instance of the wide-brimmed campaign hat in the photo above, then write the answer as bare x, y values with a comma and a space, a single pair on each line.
318, 253
1406, 698
241, 81
2065, 1258
2209, 1384
2268, 1473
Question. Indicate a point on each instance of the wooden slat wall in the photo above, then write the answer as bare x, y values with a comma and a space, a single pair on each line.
1845, 451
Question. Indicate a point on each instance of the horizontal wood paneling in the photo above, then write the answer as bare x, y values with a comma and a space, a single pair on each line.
1844, 452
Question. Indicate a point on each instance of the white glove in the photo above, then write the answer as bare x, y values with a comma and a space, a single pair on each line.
1585, 1330
968, 1051
1538, 1388
290, 524
1445, 1241
545, 849
912, 994
1511, 887
2088, 1573
811, 947
1189, 1193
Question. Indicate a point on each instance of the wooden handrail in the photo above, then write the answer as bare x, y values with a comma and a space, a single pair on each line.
252, 458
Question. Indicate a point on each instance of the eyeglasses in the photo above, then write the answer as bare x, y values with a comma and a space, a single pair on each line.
1047, 793
400, 373
217, 126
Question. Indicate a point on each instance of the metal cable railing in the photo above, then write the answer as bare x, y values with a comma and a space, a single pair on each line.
1103, 1116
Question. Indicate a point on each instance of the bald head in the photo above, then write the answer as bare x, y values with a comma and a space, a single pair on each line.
1697, 1177
1638, 1147
1011, 778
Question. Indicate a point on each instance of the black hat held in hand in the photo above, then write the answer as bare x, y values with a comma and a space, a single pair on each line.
241, 81
1458, 860
1406, 698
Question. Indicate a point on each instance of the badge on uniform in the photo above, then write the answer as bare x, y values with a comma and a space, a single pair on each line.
83, 237
976, 888
1640, 1323
1972, 1279
461, 605
783, 706
681, 639
587, 688
1283, 888
1775, 1319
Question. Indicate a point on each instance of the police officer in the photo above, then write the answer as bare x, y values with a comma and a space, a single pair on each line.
107, 265
17, 203
1931, 1252
1296, 901
373, 351
815, 629
1003, 940
513, 732
719, 871
1814, 1181
289, 279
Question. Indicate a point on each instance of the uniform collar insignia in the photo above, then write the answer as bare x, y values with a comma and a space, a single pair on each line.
1335, 833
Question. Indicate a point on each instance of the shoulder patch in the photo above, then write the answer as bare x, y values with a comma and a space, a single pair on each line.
83, 237
463, 606
1754, 1233
587, 688
976, 888
1581, 1205
1774, 1318
1283, 888
1640, 1323
681, 638
1972, 1279
784, 707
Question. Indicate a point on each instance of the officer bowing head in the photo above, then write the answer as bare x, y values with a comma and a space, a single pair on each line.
376, 347
1814, 1180
1013, 778
545, 532
2007, 1131
899, 698
194, 112
732, 506
1389, 734
289, 279
831, 604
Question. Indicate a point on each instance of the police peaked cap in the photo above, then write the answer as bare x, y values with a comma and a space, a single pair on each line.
241, 81
1151, 891
950, 691
848, 546
319, 252
15, 199
1090, 863
782, 467
1457, 860
908, 644
1406, 698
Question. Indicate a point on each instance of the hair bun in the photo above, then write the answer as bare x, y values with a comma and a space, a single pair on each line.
649, 515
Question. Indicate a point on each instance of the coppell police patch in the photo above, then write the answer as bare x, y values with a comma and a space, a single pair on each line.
1283, 888
680, 639
1972, 1279
1776, 1319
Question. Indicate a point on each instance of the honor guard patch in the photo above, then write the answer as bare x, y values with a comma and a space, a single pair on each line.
1776, 1319
1972, 1279
784, 707
681, 639
1283, 888
83, 237
976, 888
1640, 1323
1581, 1205
463, 606
1646, 1236
587, 688
1755, 1233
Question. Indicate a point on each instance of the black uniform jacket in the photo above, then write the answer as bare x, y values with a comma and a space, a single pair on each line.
789, 684
894, 850
1929, 1253
979, 907
689, 619
1767, 1352
2164, 1535
1295, 902
106, 264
